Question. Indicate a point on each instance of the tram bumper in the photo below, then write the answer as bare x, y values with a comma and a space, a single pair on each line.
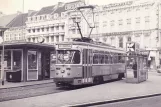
63, 81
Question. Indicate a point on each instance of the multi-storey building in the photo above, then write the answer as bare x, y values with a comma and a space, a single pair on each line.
137, 21
50, 22
115, 24
17, 28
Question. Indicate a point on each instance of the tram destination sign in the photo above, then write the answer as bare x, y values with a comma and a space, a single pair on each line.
64, 46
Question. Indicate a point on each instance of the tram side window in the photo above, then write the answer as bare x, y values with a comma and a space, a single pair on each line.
95, 59
101, 58
121, 58
76, 59
106, 59
115, 58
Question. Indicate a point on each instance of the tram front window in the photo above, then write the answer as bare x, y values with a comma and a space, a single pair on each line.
68, 56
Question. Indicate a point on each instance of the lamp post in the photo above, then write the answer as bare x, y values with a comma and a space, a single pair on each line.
2, 29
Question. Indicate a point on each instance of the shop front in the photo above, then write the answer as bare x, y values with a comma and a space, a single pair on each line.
26, 61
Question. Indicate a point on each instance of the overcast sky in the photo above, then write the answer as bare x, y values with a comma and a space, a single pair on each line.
12, 6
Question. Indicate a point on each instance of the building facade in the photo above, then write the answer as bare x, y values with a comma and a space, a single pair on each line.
137, 21
115, 24
50, 22
17, 28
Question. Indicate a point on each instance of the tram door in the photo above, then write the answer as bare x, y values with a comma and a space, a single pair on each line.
87, 66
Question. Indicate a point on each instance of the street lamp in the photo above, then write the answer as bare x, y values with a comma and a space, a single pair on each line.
2, 29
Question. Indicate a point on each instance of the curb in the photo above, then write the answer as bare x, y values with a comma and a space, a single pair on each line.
25, 85
111, 101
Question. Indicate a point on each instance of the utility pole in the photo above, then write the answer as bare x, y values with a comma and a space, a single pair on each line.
2, 29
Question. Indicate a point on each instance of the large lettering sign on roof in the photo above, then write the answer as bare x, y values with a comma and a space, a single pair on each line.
73, 5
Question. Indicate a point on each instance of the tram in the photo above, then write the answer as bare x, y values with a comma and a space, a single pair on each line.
80, 63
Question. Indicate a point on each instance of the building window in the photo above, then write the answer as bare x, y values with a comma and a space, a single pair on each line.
104, 14
52, 28
128, 10
138, 20
33, 30
42, 29
29, 30
147, 19
62, 37
45, 17
57, 38
63, 27
47, 39
52, 38
33, 39
137, 9
121, 42
47, 29
38, 30
128, 21
29, 39
129, 39
57, 27
112, 22
104, 23
97, 24
73, 31
120, 22
35, 18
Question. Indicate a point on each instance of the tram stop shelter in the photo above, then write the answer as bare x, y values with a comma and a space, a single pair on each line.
26, 61
136, 63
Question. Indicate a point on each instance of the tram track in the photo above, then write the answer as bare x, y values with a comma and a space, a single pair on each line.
20, 92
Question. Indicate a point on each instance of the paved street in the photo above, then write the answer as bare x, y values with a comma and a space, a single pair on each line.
104, 92
146, 102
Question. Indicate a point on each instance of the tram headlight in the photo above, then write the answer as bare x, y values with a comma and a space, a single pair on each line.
68, 73
68, 68
57, 68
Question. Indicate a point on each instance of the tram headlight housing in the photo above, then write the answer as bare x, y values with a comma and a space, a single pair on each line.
57, 68
68, 68
68, 73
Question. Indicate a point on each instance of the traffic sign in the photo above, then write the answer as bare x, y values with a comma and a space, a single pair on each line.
130, 46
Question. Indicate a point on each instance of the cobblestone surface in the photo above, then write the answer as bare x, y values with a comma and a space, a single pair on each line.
27, 91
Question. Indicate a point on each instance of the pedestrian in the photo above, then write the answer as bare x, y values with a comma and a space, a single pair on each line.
134, 67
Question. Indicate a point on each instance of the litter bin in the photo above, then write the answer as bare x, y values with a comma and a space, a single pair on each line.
13, 76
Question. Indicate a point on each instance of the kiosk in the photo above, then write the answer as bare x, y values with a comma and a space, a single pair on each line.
136, 63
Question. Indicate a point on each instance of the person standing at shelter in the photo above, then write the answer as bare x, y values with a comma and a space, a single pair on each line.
134, 67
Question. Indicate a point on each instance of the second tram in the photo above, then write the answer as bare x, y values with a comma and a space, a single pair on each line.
79, 63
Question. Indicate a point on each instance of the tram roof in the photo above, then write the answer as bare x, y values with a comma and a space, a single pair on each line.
20, 44
93, 44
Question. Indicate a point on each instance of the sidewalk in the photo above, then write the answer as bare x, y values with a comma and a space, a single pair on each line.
20, 84
105, 92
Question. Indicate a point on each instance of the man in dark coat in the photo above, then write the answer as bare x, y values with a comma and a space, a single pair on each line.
134, 67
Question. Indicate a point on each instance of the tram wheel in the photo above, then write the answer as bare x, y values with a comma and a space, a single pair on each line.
121, 76
98, 80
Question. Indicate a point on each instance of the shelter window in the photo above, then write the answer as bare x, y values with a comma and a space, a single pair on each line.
32, 60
